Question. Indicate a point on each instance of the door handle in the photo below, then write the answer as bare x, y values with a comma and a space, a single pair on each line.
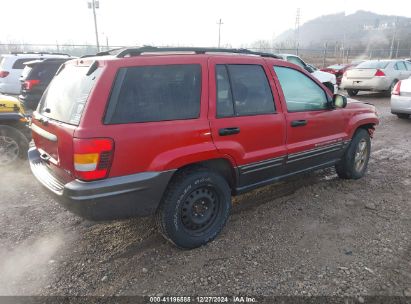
298, 123
229, 131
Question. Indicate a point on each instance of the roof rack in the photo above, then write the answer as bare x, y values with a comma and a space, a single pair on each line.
40, 53
198, 50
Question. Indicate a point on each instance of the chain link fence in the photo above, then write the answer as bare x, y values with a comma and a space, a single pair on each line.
315, 56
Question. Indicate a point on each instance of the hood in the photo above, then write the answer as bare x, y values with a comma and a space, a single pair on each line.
358, 105
324, 76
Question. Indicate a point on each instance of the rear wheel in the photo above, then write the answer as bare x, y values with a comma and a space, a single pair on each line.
195, 208
354, 163
388, 92
352, 92
13, 146
403, 116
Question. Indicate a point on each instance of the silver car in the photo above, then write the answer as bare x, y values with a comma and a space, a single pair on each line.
375, 75
401, 99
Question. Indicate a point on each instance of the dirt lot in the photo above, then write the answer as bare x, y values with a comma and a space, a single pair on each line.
313, 235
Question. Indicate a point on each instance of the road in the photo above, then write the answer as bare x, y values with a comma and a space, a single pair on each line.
312, 235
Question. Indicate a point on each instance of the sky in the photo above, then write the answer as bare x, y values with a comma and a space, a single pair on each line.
169, 22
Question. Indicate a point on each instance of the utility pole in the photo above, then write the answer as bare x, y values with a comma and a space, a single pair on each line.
393, 37
398, 46
220, 23
94, 4
297, 29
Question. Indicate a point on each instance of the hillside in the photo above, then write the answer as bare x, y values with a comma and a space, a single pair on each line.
357, 31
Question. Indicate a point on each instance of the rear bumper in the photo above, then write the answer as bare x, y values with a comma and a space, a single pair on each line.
400, 104
108, 199
372, 84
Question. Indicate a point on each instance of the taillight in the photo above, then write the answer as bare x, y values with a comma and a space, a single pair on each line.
29, 84
379, 73
92, 158
397, 88
4, 74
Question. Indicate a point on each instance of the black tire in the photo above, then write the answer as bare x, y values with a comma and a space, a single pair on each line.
352, 93
354, 163
13, 146
403, 116
194, 208
388, 92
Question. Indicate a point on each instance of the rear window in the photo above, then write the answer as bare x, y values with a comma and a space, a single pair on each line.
44, 71
155, 93
19, 63
66, 96
373, 64
336, 67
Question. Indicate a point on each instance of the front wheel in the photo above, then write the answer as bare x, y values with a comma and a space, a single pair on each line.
195, 208
352, 93
354, 163
13, 146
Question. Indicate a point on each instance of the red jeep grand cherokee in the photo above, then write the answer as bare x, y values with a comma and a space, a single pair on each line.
178, 131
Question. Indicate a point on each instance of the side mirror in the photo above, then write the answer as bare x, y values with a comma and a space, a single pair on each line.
339, 101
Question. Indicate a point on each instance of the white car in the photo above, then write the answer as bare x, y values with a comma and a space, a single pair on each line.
375, 75
401, 99
12, 65
327, 79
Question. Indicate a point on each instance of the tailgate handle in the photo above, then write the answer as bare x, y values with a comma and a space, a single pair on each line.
298, 123
229, 131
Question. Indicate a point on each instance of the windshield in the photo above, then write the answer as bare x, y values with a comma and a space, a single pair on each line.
65, 98
373, 64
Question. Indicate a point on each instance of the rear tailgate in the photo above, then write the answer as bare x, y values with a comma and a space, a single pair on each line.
59, 114
54, 141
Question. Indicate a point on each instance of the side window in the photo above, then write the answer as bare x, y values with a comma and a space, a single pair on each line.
408, 65
19, 63
301, 92
225, 106
243, 90
155, 93
296, 61
400, 66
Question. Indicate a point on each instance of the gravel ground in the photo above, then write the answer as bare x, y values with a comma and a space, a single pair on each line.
312, 235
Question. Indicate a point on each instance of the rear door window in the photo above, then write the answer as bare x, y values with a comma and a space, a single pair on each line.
155, 93
243, 90
400, 65
66, 96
